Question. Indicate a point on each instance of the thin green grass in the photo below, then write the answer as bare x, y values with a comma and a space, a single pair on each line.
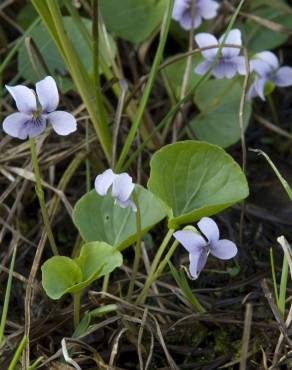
7, 296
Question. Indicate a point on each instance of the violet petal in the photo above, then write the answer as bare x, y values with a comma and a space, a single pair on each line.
47, 93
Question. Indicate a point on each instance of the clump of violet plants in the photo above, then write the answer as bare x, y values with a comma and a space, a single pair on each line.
146, 212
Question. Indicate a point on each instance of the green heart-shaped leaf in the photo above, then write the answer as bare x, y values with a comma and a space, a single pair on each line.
99, 218
61, 275
97, 259
195, 179
218, 120
132, 20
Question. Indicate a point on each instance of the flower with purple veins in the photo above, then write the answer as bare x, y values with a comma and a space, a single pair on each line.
229, 63
204, 9
200, 247
122, 187
267, 68
30, 120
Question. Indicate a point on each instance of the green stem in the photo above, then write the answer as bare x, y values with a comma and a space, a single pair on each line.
40, 193
165, 260
17, 354
137, 247
152, 277
105, 283
142, 296
87, 161
148, 87
273, 110
7, 296
283, 286
76, 308
274, 276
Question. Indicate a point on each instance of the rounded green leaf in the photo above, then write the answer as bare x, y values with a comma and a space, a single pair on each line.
97, 259
195, 179
218, 120
100, 219
132, 20
59, 275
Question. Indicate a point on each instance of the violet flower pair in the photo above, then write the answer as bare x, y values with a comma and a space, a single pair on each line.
34, 110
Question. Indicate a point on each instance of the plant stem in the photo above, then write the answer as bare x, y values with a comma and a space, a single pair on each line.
137, 247
87, 161
148, 87
273, 109
7, 295
76, 308
142, 296
105, 282
274, 276
283, 286
165, 260
152, 277
40, 193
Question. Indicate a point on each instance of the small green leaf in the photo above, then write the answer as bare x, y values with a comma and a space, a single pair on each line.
97, 259
195, 179
132, 20
100, 219
59, 274
83, 326
218, 121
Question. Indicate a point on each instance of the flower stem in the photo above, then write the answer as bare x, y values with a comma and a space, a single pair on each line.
142, 296
273, 109
40, 193
165, 260
148, 87
76, 308
137, 247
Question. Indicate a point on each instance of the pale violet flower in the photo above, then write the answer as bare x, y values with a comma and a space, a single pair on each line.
199, 248
122, 187
204, 9
267, 68
229, 63
30, 120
